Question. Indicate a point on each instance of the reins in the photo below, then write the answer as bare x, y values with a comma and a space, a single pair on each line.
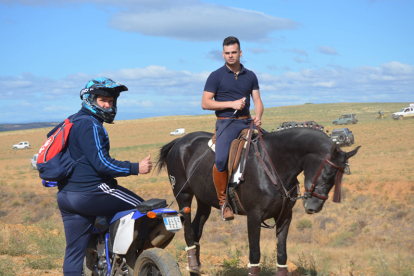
338, 181
279, 184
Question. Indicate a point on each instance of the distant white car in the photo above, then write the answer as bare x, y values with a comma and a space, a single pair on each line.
22, 145
178, 131
33, 161
407, 112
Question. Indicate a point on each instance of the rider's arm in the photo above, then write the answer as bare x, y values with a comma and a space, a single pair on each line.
258, 107
94, 144
208, 103
258, 104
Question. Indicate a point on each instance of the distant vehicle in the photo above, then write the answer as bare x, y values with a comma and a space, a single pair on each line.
404, 113
311, 124
346, 119
286, 125
342, 136
178, 131
33, 161
22, 145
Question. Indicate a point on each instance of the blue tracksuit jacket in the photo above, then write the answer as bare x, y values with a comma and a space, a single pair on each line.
88, 142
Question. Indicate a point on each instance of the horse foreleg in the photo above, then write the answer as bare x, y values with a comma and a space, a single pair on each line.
253, 230
281, 235
202, 215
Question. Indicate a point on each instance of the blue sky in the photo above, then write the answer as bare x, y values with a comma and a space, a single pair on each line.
319, 51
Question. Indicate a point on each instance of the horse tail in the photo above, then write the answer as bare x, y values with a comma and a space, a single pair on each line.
162, 156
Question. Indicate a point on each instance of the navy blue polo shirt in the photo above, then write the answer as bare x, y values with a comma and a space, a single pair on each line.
227, 86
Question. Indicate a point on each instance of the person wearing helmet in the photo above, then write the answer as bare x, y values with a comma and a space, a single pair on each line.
92, 190
380, 113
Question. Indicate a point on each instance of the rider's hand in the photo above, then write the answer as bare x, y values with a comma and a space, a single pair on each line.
257, 121
239, 104
145, 165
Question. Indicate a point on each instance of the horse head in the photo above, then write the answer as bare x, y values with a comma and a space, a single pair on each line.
320, 177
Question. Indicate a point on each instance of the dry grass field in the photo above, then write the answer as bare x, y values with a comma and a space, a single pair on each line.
369, 233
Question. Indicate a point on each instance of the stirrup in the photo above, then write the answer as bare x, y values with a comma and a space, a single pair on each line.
222, 211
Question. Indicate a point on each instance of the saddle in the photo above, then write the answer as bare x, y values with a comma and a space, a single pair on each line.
236, 150
234, 167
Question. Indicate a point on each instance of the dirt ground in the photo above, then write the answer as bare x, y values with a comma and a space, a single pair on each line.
370, 230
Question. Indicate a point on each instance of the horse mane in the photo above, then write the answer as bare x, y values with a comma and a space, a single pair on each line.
325, 139
302, 130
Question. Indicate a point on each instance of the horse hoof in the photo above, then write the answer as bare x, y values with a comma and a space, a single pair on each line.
194, 271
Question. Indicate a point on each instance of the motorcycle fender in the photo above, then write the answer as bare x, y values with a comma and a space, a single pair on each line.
124, 234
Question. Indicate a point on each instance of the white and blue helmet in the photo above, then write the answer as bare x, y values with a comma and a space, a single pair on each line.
105, 87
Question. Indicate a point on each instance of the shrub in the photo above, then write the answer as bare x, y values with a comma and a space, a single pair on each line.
6, 267
342, 239
15, 246
303, 224
27, 196
43, 264
306, 267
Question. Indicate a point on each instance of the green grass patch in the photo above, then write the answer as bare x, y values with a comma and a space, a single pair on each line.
15, 245
41, 264
303, 224
342, 239
7, 268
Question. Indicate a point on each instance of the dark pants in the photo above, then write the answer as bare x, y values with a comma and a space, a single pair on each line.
231, 131
79, 211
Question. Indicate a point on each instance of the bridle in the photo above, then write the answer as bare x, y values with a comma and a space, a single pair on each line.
338, 181
279, 184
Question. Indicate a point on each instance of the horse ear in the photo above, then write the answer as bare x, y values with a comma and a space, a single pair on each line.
352, 152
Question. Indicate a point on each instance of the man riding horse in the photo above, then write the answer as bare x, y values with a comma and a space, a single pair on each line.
227, 90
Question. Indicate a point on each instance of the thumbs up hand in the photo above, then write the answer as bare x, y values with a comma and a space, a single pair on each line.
145, 165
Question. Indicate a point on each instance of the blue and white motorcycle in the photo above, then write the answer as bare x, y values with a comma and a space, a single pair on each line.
133, 242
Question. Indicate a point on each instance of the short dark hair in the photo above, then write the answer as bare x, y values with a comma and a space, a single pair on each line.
230, 41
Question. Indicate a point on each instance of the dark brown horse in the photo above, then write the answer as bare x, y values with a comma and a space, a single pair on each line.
291, 152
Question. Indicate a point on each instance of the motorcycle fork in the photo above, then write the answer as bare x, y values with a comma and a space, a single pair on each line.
100, 248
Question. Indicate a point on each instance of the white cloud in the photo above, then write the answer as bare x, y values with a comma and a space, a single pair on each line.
215, 55
397, 68
200, 22
327, 50
299, 60
189, 20
258, 50
325, 84
134, 103
300, 52
158, 91
56, 108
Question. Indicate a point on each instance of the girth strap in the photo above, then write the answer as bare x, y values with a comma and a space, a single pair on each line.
249, 139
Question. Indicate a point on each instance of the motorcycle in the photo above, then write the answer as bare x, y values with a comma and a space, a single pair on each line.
381, 117
133, 242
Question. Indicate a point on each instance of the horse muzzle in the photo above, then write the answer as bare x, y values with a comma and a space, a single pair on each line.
311, 207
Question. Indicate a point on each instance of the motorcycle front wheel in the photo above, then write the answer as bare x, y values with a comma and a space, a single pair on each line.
156, 262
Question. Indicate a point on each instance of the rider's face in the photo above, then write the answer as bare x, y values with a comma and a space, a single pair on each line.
232, 54
105, 102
